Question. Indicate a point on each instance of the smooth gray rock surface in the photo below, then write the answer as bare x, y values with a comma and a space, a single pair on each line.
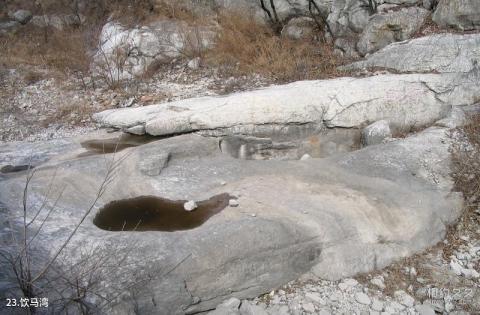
364, 209
435, 53
385, 28
402, 100
460, 14
248, 308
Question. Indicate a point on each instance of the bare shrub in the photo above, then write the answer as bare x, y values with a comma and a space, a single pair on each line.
268, 6
77, 276
245, 47
371, 5
466, 161
316, 14
70, 284
112, 66
134, 12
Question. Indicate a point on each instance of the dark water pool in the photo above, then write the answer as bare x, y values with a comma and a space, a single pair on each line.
148, 213
112, 145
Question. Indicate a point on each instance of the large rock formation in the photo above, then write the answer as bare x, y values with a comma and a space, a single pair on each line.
335, 217
385, 28
124, 53
347, 20
435, 53
460, 14
362, 27
402, 100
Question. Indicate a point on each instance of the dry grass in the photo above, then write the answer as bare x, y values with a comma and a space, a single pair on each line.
65, 51
244, 47
466, 161
75, 113
134, 12
466, 167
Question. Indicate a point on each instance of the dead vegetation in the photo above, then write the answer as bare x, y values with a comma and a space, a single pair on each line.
244, 47
466, 170
64, 51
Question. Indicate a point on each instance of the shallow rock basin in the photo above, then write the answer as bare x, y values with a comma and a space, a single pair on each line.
112, 145
351, 212
148, 213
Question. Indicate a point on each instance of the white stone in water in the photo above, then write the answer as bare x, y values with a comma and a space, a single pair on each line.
233, 203
190, 205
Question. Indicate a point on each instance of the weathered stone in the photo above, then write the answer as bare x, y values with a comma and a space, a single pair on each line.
404, 298
9, 26
377, 305
153, 163
233, 203
424, 309
248, 308
190, 205
385, 28
124, 53
347, 47
376, 133
315, 298
460, 14
362, 298
136, 130
428, 4
308, 307
21, 16
347, 17
457, 118
402, 100
378, 281
439, 53
365, 210
299, 28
